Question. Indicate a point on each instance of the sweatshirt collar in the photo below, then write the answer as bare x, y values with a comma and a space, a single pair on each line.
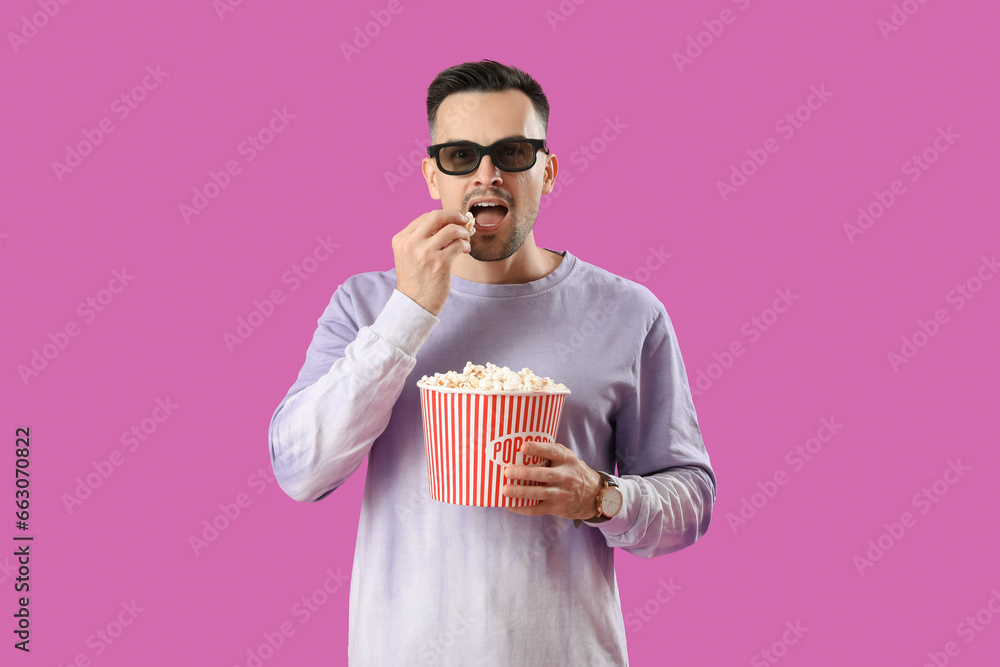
488, 290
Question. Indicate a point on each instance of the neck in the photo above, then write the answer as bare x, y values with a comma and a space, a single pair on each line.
529, 263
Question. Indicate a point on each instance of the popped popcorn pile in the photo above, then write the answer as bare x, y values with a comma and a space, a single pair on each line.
492, 378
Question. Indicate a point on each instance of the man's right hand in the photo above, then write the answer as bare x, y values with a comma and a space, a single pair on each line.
424, 252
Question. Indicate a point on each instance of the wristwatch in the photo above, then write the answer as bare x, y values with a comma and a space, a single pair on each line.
609, 501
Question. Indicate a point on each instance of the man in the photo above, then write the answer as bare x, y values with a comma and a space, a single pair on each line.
441, 584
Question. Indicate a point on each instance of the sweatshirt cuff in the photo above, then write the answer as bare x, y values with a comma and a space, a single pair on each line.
404, 323
626, 518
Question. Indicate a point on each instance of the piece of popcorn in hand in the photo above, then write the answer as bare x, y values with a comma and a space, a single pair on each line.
470, 224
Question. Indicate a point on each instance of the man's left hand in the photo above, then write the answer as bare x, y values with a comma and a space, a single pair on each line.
569, 486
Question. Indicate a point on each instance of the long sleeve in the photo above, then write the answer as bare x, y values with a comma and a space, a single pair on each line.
534, 579
345, 392
666, 511
666, 479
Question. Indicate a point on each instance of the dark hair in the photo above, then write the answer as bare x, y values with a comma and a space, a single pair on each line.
486, 76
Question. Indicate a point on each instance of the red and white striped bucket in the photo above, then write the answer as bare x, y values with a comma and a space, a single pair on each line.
471, 436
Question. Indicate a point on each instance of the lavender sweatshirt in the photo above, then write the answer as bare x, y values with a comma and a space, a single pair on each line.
439, 584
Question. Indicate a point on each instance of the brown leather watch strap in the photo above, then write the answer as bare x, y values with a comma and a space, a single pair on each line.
599, 517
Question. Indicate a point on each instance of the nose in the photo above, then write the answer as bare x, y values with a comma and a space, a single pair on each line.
487, 173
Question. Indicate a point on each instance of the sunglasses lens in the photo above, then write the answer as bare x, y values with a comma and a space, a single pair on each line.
515, 155
461, 158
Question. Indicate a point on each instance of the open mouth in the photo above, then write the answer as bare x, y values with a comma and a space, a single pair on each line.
488, 214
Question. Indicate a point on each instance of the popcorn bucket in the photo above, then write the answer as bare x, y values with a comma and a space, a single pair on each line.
471, 436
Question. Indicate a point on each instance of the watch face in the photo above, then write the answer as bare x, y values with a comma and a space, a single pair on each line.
611, 501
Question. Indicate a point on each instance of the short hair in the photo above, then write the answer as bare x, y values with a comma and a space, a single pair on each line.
485, 76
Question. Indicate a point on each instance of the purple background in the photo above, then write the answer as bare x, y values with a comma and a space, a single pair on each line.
625, 197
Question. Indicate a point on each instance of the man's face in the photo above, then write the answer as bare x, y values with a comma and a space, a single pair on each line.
485, 118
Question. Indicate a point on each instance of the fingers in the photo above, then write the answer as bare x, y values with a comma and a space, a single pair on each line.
424, 252
552, 451
555, 454
432, 222
449, 234
563, 488
453, 236
542, 475
432, 232
543, 492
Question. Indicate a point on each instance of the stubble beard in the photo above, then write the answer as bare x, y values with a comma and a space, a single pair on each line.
495, 248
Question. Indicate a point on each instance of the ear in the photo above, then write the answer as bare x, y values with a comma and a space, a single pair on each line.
549, 177
431, 176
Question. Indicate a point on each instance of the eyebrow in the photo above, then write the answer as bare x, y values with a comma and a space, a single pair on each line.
470, 141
